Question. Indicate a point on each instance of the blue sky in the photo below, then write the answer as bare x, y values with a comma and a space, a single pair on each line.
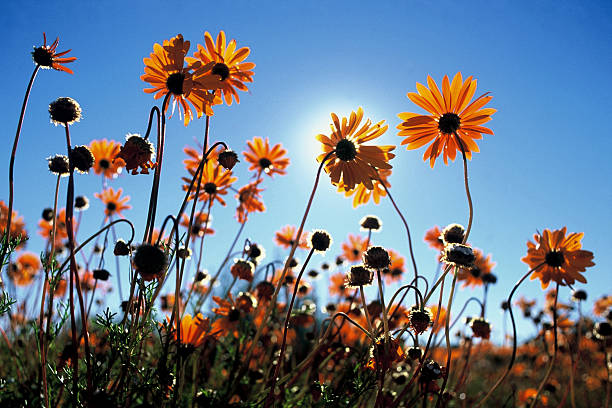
546, 63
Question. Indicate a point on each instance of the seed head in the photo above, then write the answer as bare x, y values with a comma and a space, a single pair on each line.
58, 165
320, 240
64, 111
358, 276
453, 234
81, 158
376, 258
370, 222
150, 261
458, 255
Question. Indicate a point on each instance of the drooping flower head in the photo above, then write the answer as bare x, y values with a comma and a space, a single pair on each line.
136, 152
47, 57
561, 255
452, 116
189, 85
227, 62
353, 162
265, 159
104, 152
113, 202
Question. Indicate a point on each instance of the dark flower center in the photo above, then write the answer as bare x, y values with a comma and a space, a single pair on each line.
355, 252
222, 70
234, 315
264, 163
555, 258
210, 188
105, 164
449, 123
111, 206
174, 83
475, 272
396, 272
42, 56
346, 150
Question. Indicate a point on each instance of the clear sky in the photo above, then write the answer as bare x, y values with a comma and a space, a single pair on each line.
546, 63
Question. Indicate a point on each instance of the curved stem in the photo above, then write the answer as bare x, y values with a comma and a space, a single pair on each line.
467, 188
7, 235
48, 269
414, 265
286, 327
154, 110
514, 340
286, 267
554, 356
74, 277
449, 350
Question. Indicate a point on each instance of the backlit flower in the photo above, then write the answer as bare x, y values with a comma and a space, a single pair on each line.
249, 200
434, 239
394, 272
194, 330
474, 276
354, 248
104, 152
47, 57
287, 235
227, 62
201, 224
61, 233
166, 72
17, 224
561, 256
113, 202
361, 194
353, 162
24, 270
265, 159
136, 152
452, 116
214, 182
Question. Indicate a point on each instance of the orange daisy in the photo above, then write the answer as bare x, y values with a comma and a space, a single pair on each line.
441, 322
561, 255
264, 159
215, 181
23, 271
104, 152
46, 57
395, 271
362, 194
113, 202
166, 72
61, 233
230, 314
354, 248
17, 225
227, 62
432, 237
287, 235
353, 162
602, 305
452, 117
249, 199
194, 330
195, 156
474, 276
200, 225
338, 284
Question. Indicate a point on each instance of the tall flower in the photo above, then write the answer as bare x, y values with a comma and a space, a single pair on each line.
113, 201
561, 255
452, 116
265, 159
104, 152
353, 162
227, 62
215, 181
47, 57
166, 72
